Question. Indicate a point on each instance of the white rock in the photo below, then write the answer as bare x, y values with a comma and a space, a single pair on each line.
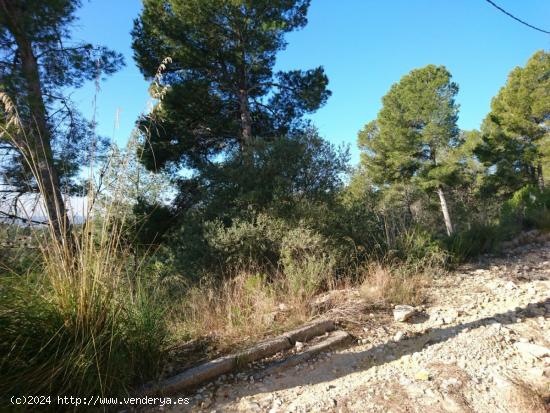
536, 372
249, 406
448, 319
532, 349
450, 382
398, 336
510, 285
403, 312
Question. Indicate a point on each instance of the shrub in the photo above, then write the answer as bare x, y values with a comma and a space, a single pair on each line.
264, 263
83, 320
419, 252
306, 261
235, 310
468, 244
187, 252
93, 331
527, 208
255, 242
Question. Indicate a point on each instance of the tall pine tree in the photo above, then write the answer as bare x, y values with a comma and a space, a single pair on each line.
413, 134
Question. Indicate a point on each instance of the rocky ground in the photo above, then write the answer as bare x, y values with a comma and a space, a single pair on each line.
482, 344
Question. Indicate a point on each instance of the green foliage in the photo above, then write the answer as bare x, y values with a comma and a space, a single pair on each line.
516, 129
306, 261
274, 247
419, 251
415, 134
414, 129
234, 212
186, 251
51, 344
353, 225
274, 176
528, 208
45, 25
151, 222
255, 242
144, 329
220, 88
470, 243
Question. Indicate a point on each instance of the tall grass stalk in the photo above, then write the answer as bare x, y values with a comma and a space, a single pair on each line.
83, 321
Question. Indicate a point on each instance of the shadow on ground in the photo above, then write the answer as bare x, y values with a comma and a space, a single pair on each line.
343, 364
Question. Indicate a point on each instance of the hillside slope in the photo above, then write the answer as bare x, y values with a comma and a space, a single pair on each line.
482, 344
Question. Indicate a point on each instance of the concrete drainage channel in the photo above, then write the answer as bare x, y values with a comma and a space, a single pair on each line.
223, 365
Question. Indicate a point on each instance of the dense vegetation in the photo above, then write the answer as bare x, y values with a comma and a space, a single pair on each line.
227, 204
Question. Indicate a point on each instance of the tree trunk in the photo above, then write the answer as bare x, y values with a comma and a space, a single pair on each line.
36, 145
445, 211
410, 215
540, 176
246, 119
387, 231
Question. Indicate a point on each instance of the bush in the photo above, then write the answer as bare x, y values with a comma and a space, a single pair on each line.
84, 322
231, 212
76, 336
255, 242
186, 251
468, 244
528, 208
229, 309
306, 261
265, 263
419, 252
271, 245
387, 285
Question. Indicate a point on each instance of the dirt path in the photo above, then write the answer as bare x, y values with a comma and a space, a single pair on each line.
482, 345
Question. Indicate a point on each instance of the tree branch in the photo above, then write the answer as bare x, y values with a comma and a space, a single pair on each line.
29, 220
279, 85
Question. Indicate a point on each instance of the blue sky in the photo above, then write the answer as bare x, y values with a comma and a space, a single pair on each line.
364, 46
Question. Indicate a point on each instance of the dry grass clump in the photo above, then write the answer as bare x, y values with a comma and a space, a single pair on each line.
89, 324
386, 285
82, 319
239, 309
247, 305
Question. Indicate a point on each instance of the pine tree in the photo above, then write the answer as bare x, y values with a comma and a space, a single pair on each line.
516, 131
220, 89
410, 141
38, 63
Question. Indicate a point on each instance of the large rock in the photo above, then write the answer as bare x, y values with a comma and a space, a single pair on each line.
403, 312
